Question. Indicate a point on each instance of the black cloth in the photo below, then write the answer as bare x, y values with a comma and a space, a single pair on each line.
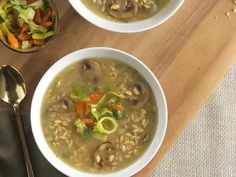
11, 156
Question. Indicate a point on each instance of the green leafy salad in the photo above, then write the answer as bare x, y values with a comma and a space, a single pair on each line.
26, 23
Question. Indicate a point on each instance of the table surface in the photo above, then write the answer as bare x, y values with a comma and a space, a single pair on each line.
189, 54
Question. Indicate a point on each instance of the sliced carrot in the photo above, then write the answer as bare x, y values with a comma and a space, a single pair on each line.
38, 18
46, 24
87, 109
24, 28
23, 37
82, 108
30, 1
94, 98
48, 15
37, 42
12, 40
117, 107
79, 107
89, 122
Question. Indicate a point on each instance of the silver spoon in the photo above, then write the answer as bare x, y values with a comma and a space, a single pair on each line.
13, 91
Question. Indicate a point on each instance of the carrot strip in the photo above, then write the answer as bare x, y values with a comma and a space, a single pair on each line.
30, 1
87, 108
37, 42
46, 24
89, 122
82, 108
79, 108
48, 15
94, 98
23, 37
24, 28
12, 40
117, 107
38, 18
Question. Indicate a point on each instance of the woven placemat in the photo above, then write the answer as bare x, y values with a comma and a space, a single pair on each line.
207, 148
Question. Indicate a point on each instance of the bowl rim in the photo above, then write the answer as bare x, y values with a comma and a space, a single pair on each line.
68, 60
131, 27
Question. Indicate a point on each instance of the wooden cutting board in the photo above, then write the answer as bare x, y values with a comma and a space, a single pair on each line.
189, 54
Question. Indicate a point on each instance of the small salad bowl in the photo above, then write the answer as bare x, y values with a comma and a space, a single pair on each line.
34, 26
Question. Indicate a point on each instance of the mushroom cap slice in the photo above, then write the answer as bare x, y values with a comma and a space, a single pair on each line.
127, 8
101, 155
90, 71
137, 101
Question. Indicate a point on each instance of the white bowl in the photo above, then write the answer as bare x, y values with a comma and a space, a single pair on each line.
107, 53
160, 17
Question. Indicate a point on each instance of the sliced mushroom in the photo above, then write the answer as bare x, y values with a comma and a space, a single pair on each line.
122, 9
67, 103
103, 154
90, 71
140, 97
152, 8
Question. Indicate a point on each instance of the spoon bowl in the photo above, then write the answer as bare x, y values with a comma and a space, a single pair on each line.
13, 91
12, 85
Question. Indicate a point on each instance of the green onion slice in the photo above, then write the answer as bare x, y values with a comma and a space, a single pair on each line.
106, 125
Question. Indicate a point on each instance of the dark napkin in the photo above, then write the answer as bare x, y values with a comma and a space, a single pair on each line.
11, 157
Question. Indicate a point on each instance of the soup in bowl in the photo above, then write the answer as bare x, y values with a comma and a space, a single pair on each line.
125, 10
126, 16
99, 111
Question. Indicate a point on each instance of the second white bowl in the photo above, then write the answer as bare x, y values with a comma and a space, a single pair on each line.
160, 17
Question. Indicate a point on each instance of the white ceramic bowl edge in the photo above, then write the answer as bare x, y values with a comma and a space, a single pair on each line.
160, 17
108, 53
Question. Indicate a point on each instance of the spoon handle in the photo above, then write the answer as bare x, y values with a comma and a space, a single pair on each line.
28, 165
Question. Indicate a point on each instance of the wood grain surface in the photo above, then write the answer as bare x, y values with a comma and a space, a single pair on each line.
189, 54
